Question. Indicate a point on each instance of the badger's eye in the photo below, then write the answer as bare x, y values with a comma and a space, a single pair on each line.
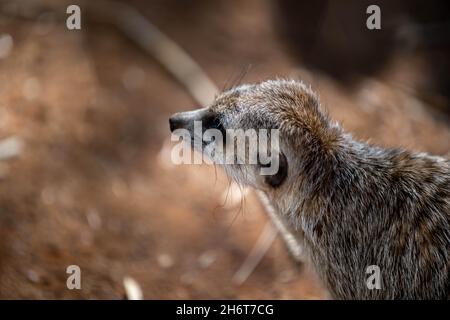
216, 123
212, 120
277, 178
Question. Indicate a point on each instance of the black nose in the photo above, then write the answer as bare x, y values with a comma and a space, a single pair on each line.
174, 123
182, 120
185, 120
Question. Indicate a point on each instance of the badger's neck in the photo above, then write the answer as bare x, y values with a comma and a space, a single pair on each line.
322, 169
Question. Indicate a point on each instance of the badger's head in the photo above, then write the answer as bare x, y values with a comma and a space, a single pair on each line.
259, 132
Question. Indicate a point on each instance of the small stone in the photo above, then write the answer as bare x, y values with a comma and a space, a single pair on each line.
10, 148
165, 261
207, 258
132, 289
33, 276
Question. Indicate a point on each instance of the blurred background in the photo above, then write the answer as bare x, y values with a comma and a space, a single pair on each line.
85, 172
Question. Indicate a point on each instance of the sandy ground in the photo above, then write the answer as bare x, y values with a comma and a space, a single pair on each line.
94, 185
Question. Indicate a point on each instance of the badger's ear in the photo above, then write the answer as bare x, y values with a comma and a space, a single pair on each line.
276, 179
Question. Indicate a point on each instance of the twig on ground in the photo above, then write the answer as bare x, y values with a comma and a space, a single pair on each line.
259, 250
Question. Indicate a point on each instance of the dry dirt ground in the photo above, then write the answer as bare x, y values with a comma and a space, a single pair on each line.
94, 185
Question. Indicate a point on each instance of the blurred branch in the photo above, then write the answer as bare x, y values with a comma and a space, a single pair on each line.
139, 30
166, 51
259, 250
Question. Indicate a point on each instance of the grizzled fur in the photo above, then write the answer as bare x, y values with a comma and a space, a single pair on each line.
348, 204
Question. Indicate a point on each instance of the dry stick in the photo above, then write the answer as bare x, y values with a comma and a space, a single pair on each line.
259, 250
188, 73
138, 29
166, 51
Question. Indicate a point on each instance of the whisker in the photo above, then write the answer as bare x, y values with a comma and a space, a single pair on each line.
234, 81
243, 73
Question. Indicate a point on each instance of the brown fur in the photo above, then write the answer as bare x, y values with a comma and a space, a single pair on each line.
348, 204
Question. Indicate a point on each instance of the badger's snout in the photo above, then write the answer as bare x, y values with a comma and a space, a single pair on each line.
185, 120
